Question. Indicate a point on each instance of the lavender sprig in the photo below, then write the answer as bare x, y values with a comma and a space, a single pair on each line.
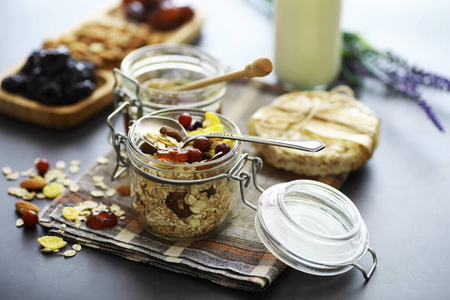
360, 59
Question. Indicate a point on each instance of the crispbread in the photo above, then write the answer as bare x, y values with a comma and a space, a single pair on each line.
347, 127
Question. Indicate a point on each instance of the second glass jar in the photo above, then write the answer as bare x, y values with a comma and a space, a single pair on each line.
176, 63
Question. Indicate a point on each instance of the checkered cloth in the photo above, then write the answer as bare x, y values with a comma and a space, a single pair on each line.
234, 258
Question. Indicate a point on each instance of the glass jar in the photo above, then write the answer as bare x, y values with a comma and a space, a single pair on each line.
311, 226
182, 201
307, 224
177, 63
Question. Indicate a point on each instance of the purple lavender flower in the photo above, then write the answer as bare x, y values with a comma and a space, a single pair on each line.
360, 59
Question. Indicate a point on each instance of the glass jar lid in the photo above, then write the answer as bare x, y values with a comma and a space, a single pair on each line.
312, 227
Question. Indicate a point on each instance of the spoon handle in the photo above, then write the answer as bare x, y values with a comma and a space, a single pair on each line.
304, 145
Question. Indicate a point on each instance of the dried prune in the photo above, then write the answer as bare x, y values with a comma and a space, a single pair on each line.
49, 93
32, 61
53, 77
15, 83
54, 60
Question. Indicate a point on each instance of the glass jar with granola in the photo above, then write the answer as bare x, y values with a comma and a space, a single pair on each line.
148, 73
189, 192
176, 193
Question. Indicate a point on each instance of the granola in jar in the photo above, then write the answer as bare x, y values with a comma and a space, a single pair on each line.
175, 196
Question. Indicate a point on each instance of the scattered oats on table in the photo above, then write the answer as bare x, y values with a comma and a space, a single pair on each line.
74, 169
69, 253
6, 171
102, 160
97, 193
19, 222
13, 176
60, 165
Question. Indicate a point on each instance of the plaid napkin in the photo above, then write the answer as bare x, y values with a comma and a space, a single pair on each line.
233, 258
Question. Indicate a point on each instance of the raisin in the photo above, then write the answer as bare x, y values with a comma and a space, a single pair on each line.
197, 124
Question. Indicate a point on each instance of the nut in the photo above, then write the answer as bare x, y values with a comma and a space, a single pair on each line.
35, 183
171, 132
24, 206
124, 189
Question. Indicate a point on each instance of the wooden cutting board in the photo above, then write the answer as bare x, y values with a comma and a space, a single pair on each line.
69, 116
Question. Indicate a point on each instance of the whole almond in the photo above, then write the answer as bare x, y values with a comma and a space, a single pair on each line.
124, 189
35, 183
24, 206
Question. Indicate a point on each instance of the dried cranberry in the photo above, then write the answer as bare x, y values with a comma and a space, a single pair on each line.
202, 143
42, 166
101, 219
185, 120
30, 218
194, 155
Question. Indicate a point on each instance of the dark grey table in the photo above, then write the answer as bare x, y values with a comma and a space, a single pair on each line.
402, 192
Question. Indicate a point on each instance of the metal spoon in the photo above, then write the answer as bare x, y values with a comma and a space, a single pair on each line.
154, 123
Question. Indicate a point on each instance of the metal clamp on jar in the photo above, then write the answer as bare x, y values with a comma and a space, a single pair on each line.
307, 224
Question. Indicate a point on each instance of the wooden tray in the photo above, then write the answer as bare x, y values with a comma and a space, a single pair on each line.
69, 116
